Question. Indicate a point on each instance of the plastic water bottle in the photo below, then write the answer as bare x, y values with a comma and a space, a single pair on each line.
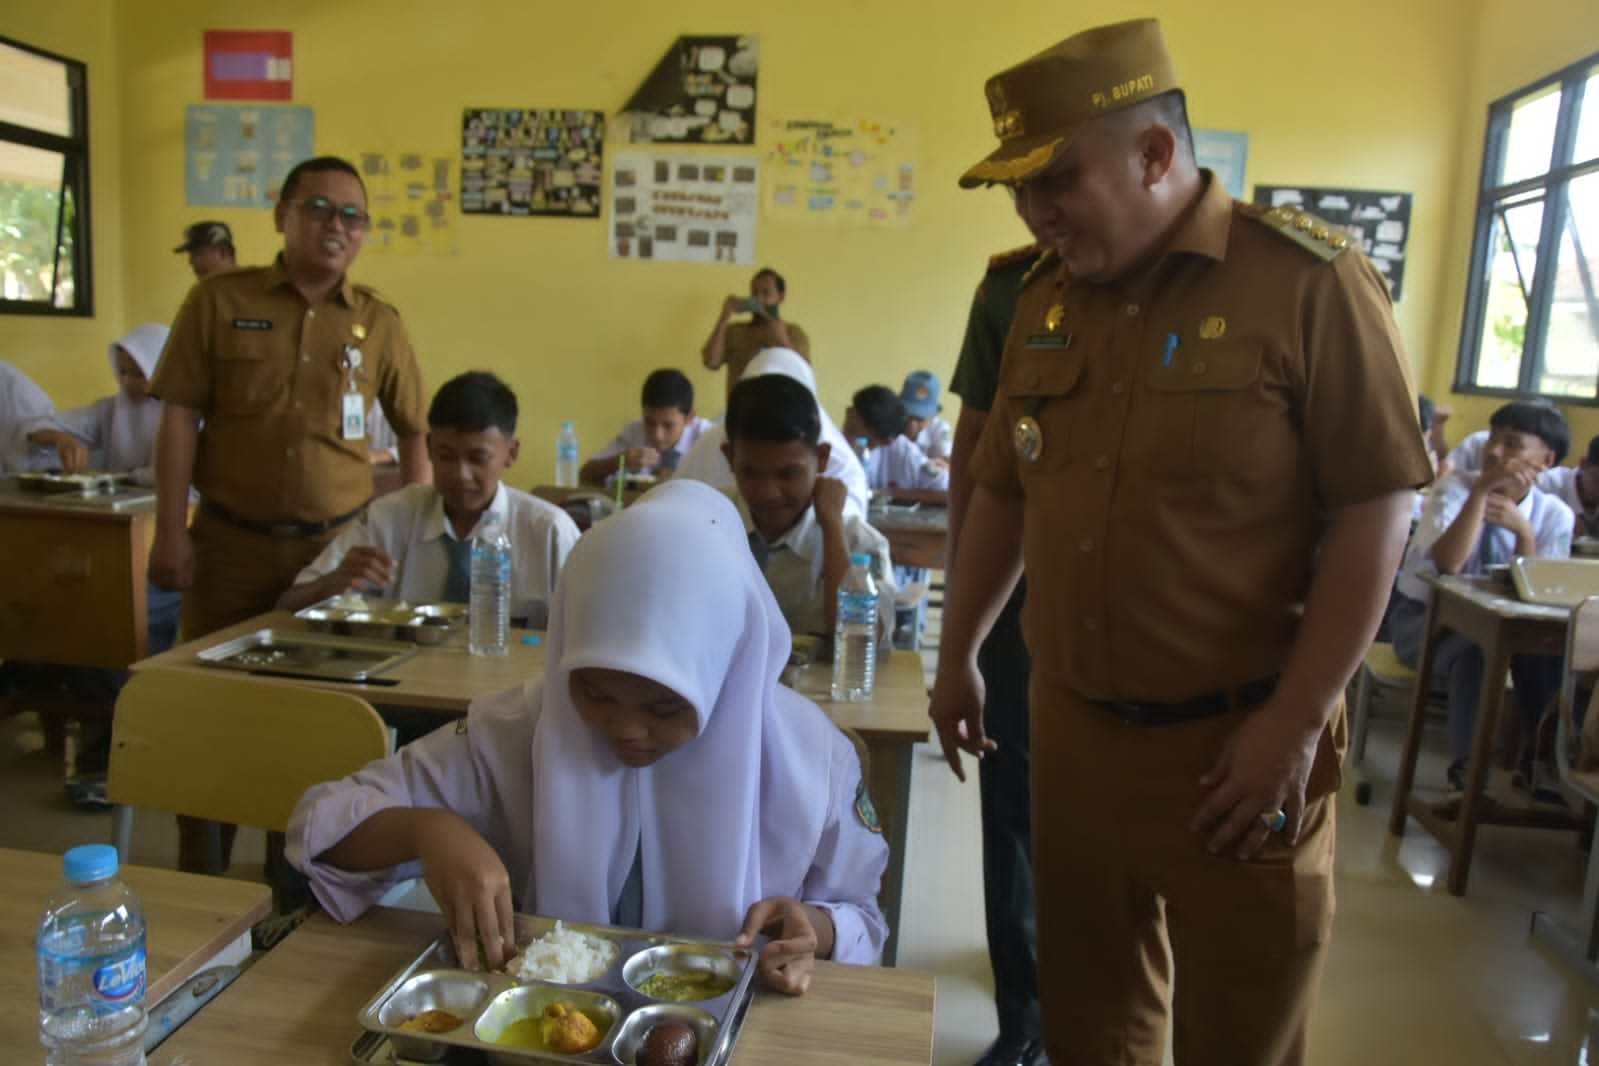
566, 450
489, 612
92, 966
863, 451
855, 638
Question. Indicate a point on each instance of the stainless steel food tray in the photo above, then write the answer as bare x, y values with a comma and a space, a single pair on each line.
385, 619
86, 484
487, 1002
301, 654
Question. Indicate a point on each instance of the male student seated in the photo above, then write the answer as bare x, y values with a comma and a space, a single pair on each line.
1472, 522
415, 544
795, 519
1578, 488
893, 460
655, 443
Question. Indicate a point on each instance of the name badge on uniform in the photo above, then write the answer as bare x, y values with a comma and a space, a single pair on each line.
252, 323
1055, 341
353, 422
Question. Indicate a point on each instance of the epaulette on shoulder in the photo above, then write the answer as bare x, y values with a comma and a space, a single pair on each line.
369, 291
1316, 236
1026, 253
1045, 262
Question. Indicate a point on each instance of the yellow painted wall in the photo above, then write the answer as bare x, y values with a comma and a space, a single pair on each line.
574, 331
67, 356
1513, 48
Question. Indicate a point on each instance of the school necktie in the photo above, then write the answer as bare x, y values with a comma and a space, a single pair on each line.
759, 549
669, 460
458, 582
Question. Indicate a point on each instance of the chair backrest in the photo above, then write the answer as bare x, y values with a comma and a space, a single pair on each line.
234, 749
1579, 750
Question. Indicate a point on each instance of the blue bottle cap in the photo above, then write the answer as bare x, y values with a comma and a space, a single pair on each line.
861, 559
532, 640
89, 862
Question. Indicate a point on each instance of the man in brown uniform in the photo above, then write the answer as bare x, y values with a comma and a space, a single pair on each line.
734, 344
1206, 438
266, 380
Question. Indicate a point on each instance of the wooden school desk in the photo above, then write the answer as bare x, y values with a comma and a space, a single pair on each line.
298, 1004
72, 576
1493, 618
191, 918
446, 679
915, 525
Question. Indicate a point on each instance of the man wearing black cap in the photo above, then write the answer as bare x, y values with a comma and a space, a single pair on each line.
1205, 443
210, 248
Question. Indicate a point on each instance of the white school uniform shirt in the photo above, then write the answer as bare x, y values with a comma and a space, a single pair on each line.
22, 405
900, 464
410, 525
1551, 526
793, 566
937, 439
1561, 481
119, 433
1467, 455
380, 435
633, 436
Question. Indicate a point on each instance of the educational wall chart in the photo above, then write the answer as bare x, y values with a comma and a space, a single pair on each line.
1380, 220
526, 161
238, 156
854, 173
684, 207
701, 92
410, 198
1225, 152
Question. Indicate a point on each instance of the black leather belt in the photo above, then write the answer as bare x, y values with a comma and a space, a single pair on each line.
277, 529
1143, 712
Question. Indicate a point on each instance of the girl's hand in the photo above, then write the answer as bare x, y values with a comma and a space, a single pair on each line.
786, 962
472, 887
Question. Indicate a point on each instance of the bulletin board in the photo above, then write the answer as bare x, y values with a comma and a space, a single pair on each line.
703, 91
531, 162
238, 155
1379, 220
859, 172
684, 207
411, 197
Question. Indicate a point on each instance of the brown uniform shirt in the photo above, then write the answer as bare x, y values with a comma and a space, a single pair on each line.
744, 339
1196, 428
267, 372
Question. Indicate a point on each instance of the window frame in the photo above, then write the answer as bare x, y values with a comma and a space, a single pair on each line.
74, 150
1492, 200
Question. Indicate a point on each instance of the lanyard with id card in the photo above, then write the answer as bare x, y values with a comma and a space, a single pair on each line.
353, 421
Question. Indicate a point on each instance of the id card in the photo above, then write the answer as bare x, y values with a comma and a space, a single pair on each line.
354, 416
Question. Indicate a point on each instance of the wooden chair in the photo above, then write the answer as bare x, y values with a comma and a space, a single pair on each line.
1577, 756
1383, 673
230, 749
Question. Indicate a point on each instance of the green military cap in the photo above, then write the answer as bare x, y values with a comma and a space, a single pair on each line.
1040, 104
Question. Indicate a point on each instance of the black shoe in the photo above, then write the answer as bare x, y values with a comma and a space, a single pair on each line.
88, 793
1013, 1051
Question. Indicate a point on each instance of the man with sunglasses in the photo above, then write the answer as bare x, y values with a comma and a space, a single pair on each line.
266, 382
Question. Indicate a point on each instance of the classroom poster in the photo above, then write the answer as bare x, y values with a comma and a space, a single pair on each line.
531, 162
249, 65
1225, 152
859, 172
683, 207
411, 199
1379, 220
701, 92
238, 155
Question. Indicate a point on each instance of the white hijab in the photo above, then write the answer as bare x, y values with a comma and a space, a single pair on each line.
22, 405
705, 461
737, 813
130, 428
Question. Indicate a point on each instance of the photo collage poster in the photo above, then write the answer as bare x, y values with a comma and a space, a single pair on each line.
411, 198
856, 173
238, 155
1379, 220
702, 92
530, 162
684, 207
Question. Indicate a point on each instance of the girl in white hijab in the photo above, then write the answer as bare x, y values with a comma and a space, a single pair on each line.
23, 405
705, 461
657, 776
121, 427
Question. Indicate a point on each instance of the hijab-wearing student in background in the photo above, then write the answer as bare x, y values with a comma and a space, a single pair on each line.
893, 460
22, 404
656, 442
115, 434
655, 777
705, 461
931, 433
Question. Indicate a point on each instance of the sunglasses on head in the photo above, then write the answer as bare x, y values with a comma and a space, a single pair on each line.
320, 210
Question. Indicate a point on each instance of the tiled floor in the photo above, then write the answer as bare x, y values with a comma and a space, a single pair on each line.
1415, 975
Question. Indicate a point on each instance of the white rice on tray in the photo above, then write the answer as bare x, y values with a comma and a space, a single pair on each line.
564, 956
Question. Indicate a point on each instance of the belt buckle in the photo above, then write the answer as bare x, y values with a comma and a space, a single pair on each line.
1130, 712
285, 529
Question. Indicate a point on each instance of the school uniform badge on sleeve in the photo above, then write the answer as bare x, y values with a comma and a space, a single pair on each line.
865, 811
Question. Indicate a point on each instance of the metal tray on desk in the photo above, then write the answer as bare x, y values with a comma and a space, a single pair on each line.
313, 655
85, 484
385, 619
486, 1002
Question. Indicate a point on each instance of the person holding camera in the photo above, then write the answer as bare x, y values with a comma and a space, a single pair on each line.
734, 344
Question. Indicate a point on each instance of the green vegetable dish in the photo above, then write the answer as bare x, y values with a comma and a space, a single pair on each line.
690, 986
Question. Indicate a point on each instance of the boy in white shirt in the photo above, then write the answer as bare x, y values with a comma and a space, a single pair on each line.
1472, 522
893, 460
1578, 488
930, 433
795, 519
655, 443
415, 544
